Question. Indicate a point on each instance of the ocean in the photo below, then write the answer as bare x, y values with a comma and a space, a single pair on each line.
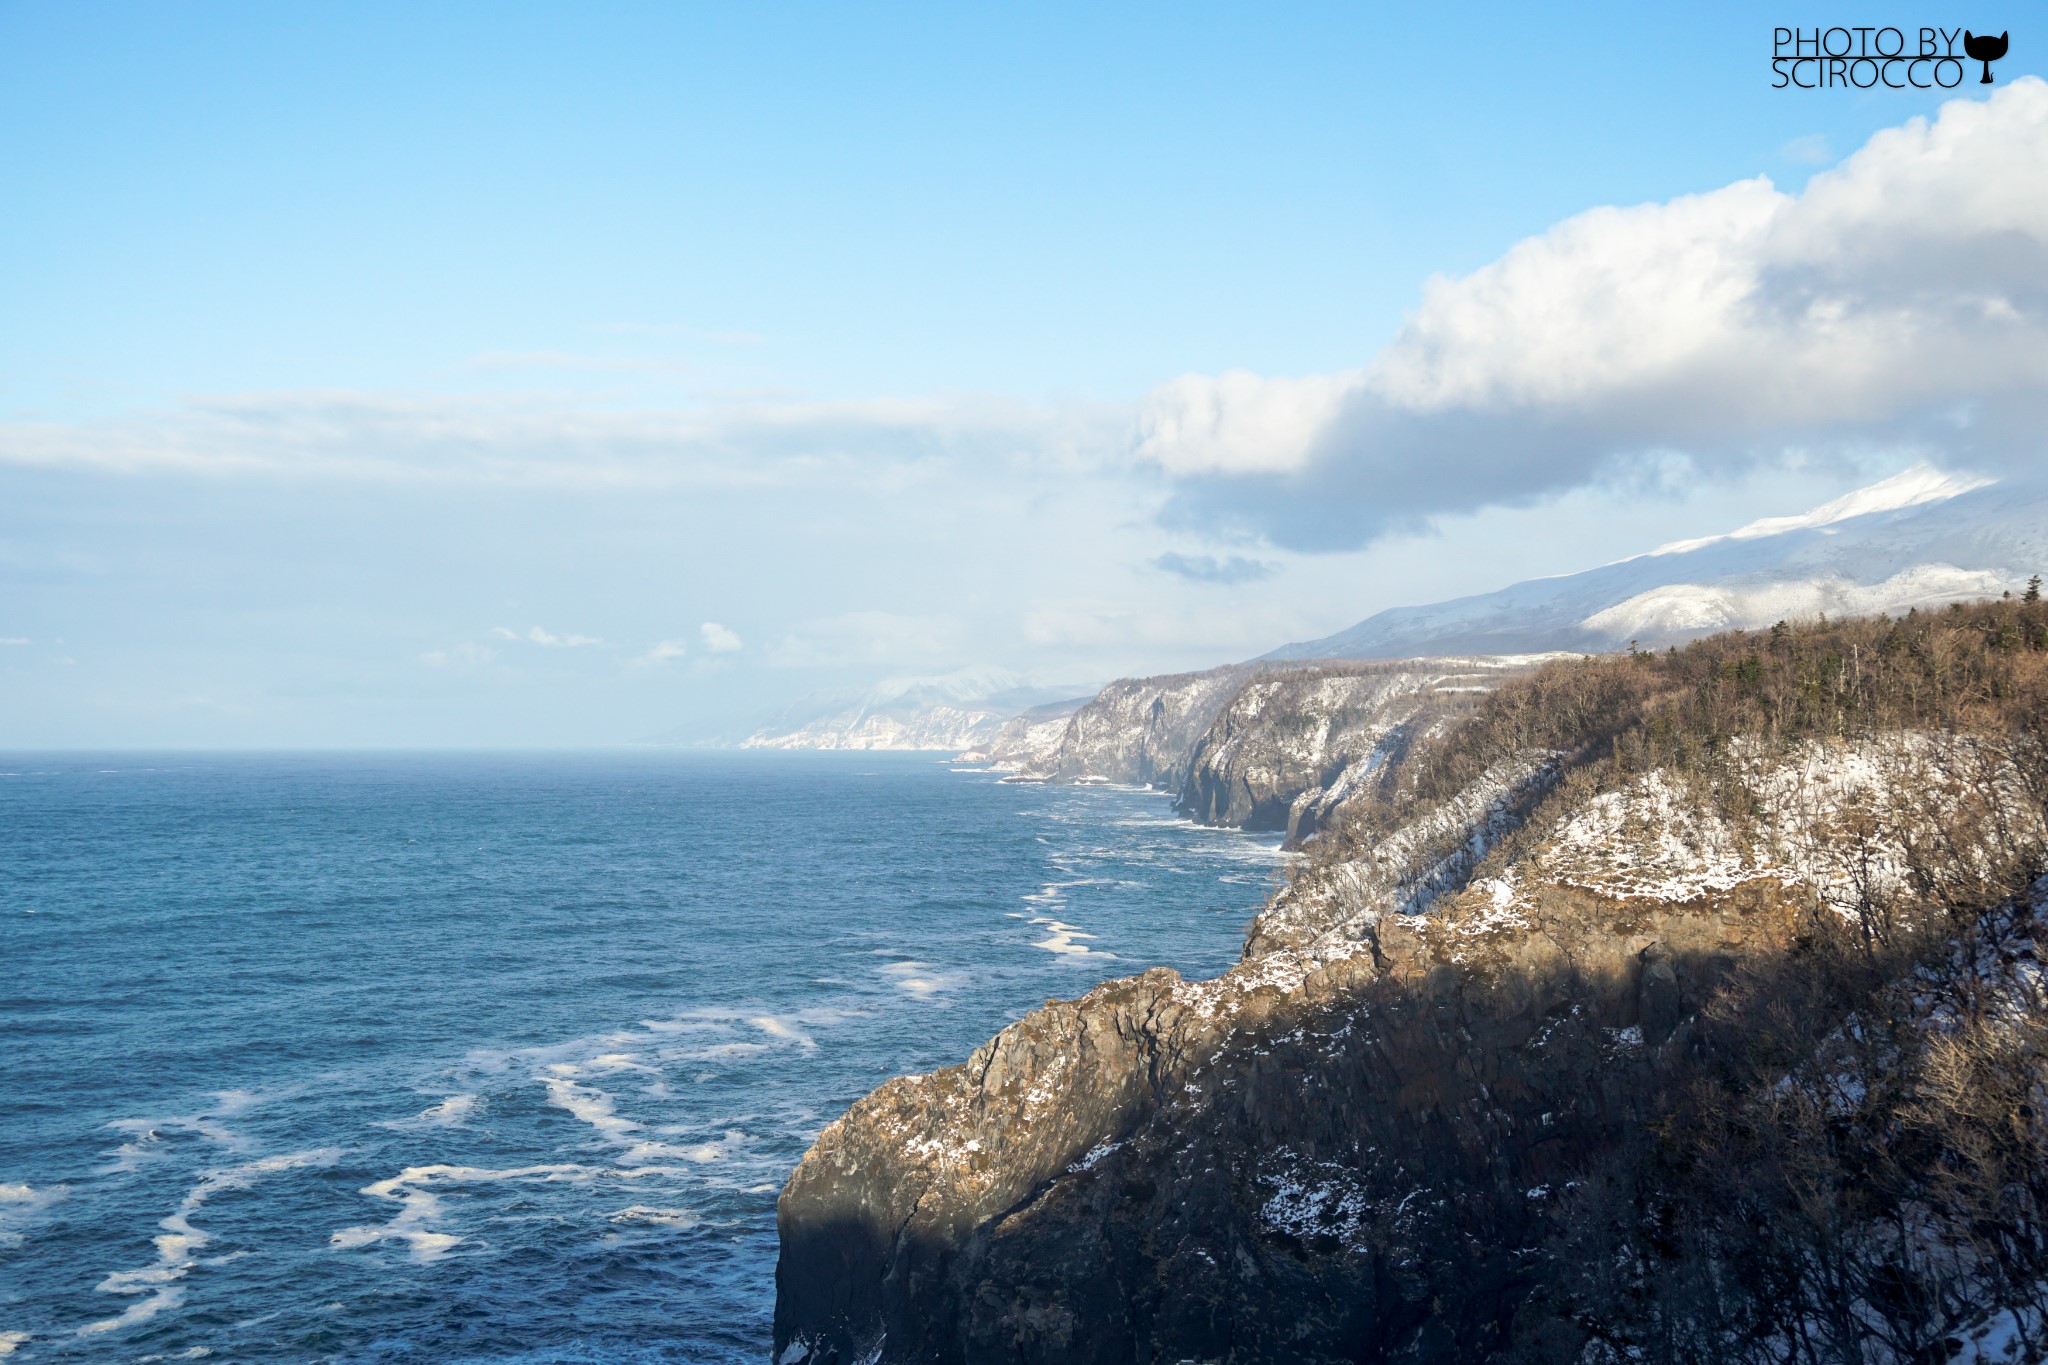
504, 1057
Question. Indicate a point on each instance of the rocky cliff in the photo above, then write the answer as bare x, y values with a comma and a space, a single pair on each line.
1140, 730
1268, 747
1027, 741
964, 709
1684, 1007
1289, 744
933, 727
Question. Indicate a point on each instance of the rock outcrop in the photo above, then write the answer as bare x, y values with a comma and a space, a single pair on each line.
1141, 731
1027, 741
1513, 1065
1289, 745
965, 709
1269, 747
935, 727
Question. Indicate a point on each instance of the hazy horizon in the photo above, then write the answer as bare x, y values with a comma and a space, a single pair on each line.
463, 379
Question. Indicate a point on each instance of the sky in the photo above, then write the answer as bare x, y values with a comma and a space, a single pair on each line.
548, 374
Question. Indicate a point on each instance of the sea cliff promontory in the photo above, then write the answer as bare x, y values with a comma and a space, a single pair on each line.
1678, 1006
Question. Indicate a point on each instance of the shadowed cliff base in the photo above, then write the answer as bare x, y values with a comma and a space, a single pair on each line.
1773, 1094
1717, 1150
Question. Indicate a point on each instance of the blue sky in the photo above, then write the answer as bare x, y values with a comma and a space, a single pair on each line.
340, 346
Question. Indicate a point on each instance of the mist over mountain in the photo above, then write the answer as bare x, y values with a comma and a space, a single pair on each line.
1922, 538
956, 710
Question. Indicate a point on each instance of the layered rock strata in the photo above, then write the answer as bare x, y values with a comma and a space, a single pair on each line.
1140, 730
1291, 744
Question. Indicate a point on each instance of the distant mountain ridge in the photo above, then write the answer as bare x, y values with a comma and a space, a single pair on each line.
1923, 538
964, 709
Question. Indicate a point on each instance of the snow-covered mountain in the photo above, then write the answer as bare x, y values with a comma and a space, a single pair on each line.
1920, 539
963, 709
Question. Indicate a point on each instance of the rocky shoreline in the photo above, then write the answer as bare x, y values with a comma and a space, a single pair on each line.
1467, 1043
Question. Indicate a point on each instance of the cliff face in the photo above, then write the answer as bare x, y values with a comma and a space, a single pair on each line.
1026, 741
1140, 730
960, 710
1267, 747
1289, 745
1676, 1009
1301, 1162
935, 727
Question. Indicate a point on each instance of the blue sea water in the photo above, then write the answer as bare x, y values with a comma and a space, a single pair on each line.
497, 1058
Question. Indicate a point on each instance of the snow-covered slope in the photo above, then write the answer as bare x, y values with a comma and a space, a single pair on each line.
1920, 539
959, 710
1029, 740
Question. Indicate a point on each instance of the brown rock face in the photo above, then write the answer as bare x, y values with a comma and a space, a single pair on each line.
1652, 1010
1141, 730
881, 1208
1292, 743
1293, 1167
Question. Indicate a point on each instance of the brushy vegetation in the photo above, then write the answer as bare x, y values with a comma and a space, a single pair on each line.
1847, 1160
1974, 669
1707, 714
1847, 1163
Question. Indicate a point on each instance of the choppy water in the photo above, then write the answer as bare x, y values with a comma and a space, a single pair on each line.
506, 1057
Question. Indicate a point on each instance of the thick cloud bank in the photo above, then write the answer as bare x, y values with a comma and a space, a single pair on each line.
1901, 301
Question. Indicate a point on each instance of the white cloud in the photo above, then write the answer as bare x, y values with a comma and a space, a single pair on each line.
460, 656
1214, 569
1238, 422
664, 651
12, 640
718, 639
547, 639
748, 443
1900, 301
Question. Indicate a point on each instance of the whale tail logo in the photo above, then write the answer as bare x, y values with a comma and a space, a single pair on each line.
1986, 50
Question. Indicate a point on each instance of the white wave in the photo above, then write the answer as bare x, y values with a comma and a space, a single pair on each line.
419, 1207
599, 1109
779, 1028
644, 1046
451, 1111
716, 1052
21, 1205
660, 1218
142, 1310
179, 1243
147, 1133
136, 1150
1062, 937
700, 1153
595, 1107
919, 979
688, 1024
10, 1342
